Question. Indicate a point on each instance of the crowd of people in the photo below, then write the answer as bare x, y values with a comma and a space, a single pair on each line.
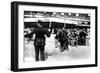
76, 36
72, 36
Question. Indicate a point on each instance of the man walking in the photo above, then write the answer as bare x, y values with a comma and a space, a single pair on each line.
39, 42
63, 39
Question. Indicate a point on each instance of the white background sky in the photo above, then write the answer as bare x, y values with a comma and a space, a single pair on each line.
5, 18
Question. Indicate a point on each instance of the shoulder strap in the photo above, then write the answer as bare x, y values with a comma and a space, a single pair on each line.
64, 34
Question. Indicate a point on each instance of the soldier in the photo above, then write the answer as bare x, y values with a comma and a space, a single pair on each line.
39, 41
63, 39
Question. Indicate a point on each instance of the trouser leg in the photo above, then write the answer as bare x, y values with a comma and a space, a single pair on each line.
36, 53
62, 46
80, 41
42, 56
84, 41
66, 45
62, 43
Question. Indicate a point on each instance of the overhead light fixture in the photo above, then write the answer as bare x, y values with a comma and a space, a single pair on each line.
89, 14
77, 14
62, 13
69, 13
38, 15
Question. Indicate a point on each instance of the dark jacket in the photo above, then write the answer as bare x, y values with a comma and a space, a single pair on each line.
40, 34
61, 35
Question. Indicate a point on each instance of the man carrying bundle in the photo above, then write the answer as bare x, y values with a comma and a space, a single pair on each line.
63, 39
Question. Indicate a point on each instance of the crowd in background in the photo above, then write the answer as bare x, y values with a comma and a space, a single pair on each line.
77, 36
